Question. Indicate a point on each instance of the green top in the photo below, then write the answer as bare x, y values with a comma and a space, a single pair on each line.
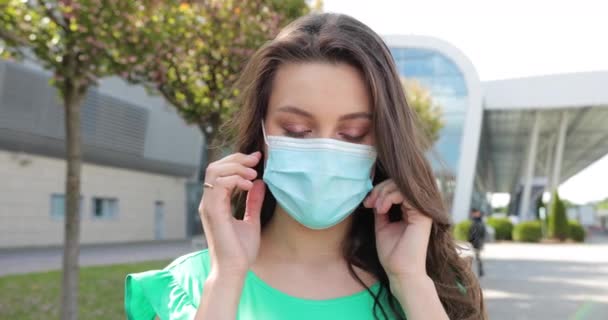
174, 293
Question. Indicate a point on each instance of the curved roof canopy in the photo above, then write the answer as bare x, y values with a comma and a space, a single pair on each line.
509, 113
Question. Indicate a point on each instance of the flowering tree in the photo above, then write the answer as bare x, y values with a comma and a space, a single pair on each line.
79, 42
215, 40
429, 113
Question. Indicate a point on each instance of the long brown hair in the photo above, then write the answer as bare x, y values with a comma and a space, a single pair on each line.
338, 38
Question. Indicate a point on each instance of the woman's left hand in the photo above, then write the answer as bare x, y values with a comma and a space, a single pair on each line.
401, 245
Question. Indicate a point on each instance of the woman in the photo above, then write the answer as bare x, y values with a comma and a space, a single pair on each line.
338, 215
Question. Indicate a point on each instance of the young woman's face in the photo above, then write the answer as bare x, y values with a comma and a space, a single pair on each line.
320, 100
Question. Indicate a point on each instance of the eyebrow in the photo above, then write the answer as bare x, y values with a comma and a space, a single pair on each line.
350, 116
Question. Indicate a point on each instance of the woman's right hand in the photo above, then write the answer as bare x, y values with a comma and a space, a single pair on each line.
233, 244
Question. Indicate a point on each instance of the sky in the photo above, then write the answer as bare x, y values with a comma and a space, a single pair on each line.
507, 39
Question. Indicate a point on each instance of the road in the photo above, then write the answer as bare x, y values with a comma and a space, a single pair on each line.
522, 282
44, 259
546, 281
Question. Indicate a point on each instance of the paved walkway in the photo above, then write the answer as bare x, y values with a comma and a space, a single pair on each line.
547, 281
45, 259
522, 282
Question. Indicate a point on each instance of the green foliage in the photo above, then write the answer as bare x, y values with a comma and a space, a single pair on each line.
568, 204
79, 42
197, 51
528, 231
36, 296
602, 205
461, 230
558, 222
504, 210
502, 226
190, 51
290, 9
576, 231
429, 113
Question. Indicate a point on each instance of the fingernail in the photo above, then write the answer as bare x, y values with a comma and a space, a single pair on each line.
255, 154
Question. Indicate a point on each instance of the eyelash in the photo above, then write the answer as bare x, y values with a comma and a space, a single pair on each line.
302, 134
296, 134
353, 139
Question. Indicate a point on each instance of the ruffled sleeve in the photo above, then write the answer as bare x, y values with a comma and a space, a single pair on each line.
157, 293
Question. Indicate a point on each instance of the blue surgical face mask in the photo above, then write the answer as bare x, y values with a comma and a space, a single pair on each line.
318, 182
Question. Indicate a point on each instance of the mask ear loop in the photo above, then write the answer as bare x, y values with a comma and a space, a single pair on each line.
267, 144
264, 133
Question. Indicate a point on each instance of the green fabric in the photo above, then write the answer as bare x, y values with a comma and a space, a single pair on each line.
174, 294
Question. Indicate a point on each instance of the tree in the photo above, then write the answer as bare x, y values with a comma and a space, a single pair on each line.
602, 205
502, 209
558, 222
79, 42
201, 56
428, 111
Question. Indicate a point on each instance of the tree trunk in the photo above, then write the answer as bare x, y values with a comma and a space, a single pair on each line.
214, 152
210, 152
73, 97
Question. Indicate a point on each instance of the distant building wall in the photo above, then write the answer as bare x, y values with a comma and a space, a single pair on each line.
138, 155
28, 183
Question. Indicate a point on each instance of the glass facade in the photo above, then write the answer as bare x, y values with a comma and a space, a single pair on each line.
446, 83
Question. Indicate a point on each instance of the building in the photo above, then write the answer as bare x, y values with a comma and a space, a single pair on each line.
138, 156
520, 136
517, 136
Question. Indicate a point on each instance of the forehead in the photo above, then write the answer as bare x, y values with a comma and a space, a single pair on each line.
320, 88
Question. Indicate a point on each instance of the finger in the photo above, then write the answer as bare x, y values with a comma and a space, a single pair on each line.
248, 160
386, 188
231, 168
370, 200
219, 197
234, 181
380, 220
378, 189
384, 203
413, 216
255, 199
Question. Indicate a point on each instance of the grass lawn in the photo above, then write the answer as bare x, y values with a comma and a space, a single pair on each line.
38, 295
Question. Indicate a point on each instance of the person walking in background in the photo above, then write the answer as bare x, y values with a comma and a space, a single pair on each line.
477, 235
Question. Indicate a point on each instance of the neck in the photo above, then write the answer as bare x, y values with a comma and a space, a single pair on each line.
285, 238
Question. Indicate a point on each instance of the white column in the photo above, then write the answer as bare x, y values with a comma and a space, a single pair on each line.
524, 207
549, 163
469, 149
559, 151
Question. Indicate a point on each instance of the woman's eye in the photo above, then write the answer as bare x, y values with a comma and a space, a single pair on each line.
352, 138
297, 134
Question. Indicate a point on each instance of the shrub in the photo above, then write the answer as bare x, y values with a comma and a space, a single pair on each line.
576, 231
461, 230
558, 222
528, 231
502, 226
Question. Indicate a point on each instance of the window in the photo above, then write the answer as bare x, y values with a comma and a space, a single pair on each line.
58, 206
105, 208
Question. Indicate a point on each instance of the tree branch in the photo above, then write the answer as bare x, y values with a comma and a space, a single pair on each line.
165, 93
11, 37
183, 83
53, 17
